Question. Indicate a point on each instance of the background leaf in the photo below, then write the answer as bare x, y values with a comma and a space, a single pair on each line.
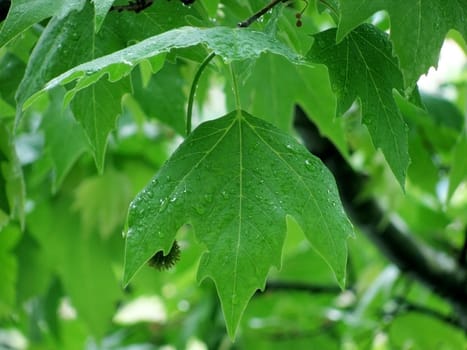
97, 109
274, 86
61, 128
253, 168
362, 65
9, 237
163, 96
418, 28
24, 13
12, 189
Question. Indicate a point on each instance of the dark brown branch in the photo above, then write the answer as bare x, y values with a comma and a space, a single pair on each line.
4, 8
257, 15
274, 286
405, 305
437, 270
135, 6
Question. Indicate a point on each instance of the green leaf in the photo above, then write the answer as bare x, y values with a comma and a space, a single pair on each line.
418, 28
458, 171
362, 65
163, 96
10, 76
24, 13
61, 46
12, 189
275, 86
229, 43
102, 208
83, 263
97, 109
61, 129
235, 179
9, 237
425, 331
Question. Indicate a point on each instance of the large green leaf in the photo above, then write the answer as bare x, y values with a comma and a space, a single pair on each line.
235, 179
66, 42
24, 13
418, 28
229, 43
362, 65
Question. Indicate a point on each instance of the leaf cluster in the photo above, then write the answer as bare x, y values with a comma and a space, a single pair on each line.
95, 140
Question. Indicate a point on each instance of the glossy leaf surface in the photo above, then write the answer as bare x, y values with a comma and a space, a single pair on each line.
235, 179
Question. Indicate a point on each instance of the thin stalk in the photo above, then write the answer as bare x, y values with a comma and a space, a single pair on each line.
235, 88
194, 85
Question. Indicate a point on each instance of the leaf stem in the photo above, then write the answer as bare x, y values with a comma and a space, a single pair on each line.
194, 85
334, 13
235, 88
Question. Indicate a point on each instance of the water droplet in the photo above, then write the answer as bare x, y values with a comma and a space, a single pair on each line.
173, 199
307, 162
200, 209
164, 203
125, 234
320, 43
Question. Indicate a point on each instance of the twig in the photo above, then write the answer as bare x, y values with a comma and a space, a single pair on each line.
273, 286
408, 306
257, 15
135, 6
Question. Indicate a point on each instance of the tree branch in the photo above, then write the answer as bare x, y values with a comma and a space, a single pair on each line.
438, 271
273, 286
257, 15
404, 305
